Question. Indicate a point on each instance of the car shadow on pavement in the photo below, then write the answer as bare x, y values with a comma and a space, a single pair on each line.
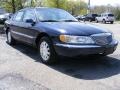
84, 67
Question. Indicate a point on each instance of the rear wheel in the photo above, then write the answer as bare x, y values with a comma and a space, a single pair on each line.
47, 52
10, 39
111, 22
104, 21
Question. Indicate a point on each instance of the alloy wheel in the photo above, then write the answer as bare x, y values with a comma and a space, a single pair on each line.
9, 38
44, 50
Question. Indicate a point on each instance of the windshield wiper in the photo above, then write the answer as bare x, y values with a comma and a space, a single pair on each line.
70, 20
49, 21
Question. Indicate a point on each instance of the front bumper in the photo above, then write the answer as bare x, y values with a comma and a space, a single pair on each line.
76, 50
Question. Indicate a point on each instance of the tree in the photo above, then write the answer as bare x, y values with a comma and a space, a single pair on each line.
8, 4
76, 7
12, 5
56, 3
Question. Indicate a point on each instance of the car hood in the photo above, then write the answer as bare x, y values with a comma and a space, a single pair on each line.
73, 28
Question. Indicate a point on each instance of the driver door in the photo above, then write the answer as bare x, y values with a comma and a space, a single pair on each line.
28, 29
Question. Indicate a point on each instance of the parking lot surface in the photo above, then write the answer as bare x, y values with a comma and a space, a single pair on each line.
21, 69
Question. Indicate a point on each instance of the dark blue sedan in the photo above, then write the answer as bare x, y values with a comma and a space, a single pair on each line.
55, 32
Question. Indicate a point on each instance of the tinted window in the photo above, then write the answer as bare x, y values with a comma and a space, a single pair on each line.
89, 15
29, 15
18, 16
94, 15
99, 15
110, 15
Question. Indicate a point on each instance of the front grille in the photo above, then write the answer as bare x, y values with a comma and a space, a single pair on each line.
102, 39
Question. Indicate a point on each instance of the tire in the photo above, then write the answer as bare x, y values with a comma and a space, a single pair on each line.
111, 22
104, 21
96, 20
83, 20
10, 39
46, 51
90, 20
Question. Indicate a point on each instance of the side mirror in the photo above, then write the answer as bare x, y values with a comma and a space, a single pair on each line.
30, 21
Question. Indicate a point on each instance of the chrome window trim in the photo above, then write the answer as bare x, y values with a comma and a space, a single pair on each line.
21, 34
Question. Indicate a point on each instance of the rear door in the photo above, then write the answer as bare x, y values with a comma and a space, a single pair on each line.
16, 24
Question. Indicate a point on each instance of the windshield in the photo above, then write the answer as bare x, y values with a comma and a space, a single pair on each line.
54, 15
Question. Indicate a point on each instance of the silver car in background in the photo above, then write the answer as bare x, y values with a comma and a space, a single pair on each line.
105, 17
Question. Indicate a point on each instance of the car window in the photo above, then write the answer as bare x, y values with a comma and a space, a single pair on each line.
99, 16
18, 16
89, 15
94, 15
53, 14
29, 15
111, 15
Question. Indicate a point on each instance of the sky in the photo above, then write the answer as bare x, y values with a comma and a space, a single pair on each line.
104, 2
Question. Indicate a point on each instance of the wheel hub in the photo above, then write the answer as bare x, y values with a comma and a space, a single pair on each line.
9, 37
44, 51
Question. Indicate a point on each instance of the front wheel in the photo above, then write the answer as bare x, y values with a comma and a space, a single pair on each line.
47, 52
96, 20
10, 39
90, 20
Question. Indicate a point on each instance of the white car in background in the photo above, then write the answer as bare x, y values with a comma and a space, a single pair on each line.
105, 17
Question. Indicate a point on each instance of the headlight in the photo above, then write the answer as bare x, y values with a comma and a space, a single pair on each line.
76, 39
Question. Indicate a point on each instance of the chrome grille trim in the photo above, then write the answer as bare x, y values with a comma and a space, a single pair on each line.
102, 38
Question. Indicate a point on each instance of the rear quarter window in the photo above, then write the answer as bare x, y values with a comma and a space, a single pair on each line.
111, 15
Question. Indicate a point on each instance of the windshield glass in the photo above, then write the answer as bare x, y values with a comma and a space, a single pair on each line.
54, 15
